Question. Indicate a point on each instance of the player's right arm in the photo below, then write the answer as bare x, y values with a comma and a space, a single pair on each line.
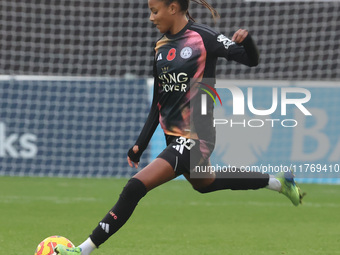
148, 130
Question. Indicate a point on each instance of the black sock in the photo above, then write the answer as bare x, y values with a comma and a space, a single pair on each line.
120, 213
237, 181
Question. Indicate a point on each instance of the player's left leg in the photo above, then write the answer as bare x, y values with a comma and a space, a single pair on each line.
156, 173
133, 191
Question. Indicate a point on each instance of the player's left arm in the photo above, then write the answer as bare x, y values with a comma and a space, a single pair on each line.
245, 50
240, 48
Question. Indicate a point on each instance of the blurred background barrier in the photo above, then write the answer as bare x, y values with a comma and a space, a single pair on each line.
297, 39
64, 126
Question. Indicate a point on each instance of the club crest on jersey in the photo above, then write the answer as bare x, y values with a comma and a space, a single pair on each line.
186, 52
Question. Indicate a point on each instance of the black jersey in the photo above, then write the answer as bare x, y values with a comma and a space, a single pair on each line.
183, 63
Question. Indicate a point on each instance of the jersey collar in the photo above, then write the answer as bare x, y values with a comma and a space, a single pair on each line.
171, 36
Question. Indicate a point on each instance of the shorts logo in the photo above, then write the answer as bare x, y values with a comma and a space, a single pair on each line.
183, 143
186, 52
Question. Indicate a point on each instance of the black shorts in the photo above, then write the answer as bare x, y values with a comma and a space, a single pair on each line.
183, 154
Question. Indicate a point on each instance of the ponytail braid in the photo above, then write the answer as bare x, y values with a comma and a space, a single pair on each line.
204, 3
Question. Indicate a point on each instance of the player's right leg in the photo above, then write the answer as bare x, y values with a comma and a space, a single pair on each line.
156, 173
289, 187
283, 183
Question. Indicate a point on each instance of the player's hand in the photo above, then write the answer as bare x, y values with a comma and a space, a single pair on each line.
239, 36
135, 149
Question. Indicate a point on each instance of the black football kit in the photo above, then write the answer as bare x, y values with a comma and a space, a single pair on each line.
184, 68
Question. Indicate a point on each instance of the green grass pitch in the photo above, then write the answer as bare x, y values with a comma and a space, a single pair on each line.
172, 219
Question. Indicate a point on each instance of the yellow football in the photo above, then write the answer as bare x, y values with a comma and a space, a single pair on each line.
46, 247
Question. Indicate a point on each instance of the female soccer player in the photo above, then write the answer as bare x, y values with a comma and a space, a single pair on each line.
185, 60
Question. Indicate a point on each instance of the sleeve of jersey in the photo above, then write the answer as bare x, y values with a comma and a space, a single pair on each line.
245, 53
151, 122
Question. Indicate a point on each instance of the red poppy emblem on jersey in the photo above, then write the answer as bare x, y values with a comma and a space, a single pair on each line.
171, 54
